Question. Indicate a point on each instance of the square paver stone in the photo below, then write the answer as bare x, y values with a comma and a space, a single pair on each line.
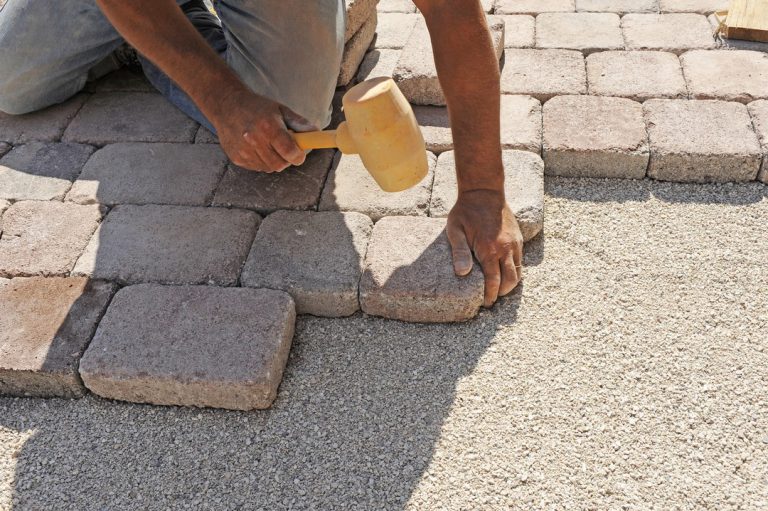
668, 32
170, 245
354, 50
191, 346
409, 274
45, 326
617, 6
543, 73
316, 257
585, 31
41, 170
46, 125
701, 141
523, 187
140, 173
44, 237
637, 75
594, 136
759, 112
533, 6
378, 63
700, 6
294, 188
130, 117
351, 188
519, 30
394, 28
733, 75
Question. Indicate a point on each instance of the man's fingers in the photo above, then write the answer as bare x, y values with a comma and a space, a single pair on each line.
510, 275
272, 160
492, 281
462, 255
285, 145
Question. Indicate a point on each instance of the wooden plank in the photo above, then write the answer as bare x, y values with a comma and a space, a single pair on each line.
748, 20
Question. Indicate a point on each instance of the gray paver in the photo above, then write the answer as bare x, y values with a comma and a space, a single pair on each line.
316, 257
45, 326
170, 245
191, 346
699, 6
637, 75
701, 140
584, 31
358, 13
733, 75
394, 28
543, 73
46, 125
41, 170
594, 136
139, 173
44, 237
758, 110
354, 50
4, 148
378, 63
129, 117
294, 188
533, 6
667, 32
523, 188
519, 30
205, 136
351, 188
617, 6
409, 275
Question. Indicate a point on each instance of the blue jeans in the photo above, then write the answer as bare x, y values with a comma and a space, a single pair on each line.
287, 50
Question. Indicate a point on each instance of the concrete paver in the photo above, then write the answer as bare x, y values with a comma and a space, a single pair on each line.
701, 140
45, 326
700, 6
205, 136
617, 6
409, 276
170, 245
593, 136
585, 31
676, 33
140, 173
733, 75
41, 170
46, 125
316, 257
435, 127
533, 6
637, 75
358, 13
354, 50
543, 73
4, 148
396, 6
163, 345
393, 29
519, 30
758, 110
378, 63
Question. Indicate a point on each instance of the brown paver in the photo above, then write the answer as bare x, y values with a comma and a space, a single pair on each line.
354, 50
701, 140
409, 275
191, 346
45, 326
394, 28
593, 136
351, 188
358, 13
46, 125
140, 173
700, 6
733, 75
617, 6
543, 73
519, 30
41, 170
170, 245
378, 63
637, 75
533, 6
758, 110
584, 31
294, 188
316, 257
668, 32
129, 117
523, 187
44, 237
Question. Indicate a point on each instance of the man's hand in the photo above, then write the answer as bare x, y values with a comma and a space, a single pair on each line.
481, 222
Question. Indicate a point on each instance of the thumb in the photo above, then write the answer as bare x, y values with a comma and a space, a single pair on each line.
462, 255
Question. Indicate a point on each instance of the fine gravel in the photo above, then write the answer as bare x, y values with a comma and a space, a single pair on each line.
629, 371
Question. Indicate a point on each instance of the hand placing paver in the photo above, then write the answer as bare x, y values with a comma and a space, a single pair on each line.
701, 141
543, 73
700, 6
617, 6
191, 346
41, 170
758, 110
584, 31
593, 136
637, 75
140, 173
523, 187
533, 6
316, 257
45, 326
170, 245
354, 50
733, 75
45, 125
668, 32
409, 275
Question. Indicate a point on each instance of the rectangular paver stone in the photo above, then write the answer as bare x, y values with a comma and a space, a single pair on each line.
637, 75
130, 117
45, 326
409, 274
46, 125
378, 63
41, 170
523, 187
354, 50
358, 13
668, 32
617, 6
585, 31
170, 245
351, 188
44, 237
543, 73
593, 136
758, 110
316, 257
191, 346
394, 28
533, 6
519, 30
294, 188
140, 173
700, 6
701, 141
733, 75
